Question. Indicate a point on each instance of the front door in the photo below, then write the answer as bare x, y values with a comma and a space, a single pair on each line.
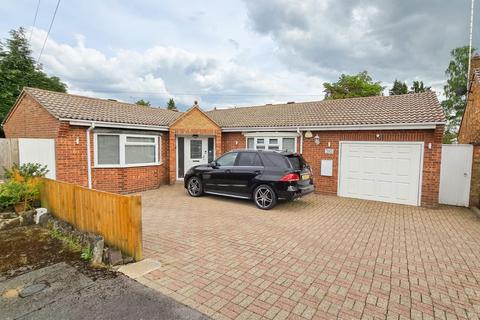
196, 151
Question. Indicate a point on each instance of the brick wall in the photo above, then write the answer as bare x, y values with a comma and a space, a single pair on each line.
470, 129
72, 165
30, 120
314, 153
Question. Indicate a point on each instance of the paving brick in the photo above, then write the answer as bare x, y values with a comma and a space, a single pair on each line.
320, 257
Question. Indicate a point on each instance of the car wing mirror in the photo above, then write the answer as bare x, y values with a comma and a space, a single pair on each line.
213, 164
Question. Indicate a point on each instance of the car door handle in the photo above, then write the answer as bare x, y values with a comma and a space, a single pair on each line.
257, 171
228, 171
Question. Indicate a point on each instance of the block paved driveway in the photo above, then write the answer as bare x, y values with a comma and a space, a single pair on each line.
319, 257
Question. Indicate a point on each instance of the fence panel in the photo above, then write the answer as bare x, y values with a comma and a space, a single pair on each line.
8, 154
116, 217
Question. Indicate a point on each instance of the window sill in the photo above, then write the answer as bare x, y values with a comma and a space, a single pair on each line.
127, 165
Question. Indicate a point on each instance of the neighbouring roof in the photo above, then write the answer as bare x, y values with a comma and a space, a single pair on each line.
400, 109
74, 107
476, 72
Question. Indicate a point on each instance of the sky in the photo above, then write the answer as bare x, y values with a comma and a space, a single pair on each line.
239, 52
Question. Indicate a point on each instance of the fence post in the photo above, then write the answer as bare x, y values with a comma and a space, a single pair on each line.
136, 214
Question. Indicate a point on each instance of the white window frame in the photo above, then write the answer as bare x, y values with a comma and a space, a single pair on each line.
270, 135
122, 143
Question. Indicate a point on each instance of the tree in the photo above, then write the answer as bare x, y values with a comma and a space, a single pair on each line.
418, 87
350, 86
399, 87
455, 90
171, 105
18, 70
142, 102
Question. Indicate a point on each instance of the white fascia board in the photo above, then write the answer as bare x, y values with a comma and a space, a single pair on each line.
102, 124
401, 126
271, 134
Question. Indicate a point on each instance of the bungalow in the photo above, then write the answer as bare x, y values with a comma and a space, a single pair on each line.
378, 148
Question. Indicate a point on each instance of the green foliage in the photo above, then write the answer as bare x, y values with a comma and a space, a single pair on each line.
18, 69
455, 90
10, 193
171, 105
87, 253
398, 87
22, 184
351, 86
68, 241
142, 102
419, 87
26, 171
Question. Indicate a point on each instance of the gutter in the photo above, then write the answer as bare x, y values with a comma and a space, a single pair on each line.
103, 124
89, 163
401, 126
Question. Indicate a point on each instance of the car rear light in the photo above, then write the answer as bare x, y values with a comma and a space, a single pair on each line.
290, 177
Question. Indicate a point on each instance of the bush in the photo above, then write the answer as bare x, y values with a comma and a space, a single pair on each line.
22, 185
26, 171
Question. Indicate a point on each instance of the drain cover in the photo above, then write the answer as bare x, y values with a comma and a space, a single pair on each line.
33, 289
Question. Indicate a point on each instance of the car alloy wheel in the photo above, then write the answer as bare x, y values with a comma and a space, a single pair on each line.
194, 187
264, 197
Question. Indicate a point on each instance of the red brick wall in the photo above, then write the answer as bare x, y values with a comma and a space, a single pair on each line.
72, 165
232, 141
314, 153
30, 120
470, 128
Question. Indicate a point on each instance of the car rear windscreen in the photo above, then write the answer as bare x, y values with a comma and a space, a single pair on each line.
296, 162
276, 160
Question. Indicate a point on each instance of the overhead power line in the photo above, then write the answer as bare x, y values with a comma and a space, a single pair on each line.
48, 33
34, 21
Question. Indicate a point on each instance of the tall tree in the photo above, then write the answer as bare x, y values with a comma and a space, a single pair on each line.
418, 87
18, 70
455, 90
142, 102
398, 87
350, 86
171, 104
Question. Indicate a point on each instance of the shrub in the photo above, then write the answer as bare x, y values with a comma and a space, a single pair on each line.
26, 171
22, 185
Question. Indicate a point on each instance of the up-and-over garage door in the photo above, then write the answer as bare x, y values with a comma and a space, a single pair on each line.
381, 171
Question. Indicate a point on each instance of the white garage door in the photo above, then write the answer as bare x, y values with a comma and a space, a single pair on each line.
381, 171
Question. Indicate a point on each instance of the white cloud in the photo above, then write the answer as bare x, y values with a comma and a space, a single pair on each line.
159, 73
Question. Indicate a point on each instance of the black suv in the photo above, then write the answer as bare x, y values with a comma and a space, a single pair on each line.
264, 176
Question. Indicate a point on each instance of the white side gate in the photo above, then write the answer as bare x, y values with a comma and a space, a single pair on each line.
38, 151
455, 174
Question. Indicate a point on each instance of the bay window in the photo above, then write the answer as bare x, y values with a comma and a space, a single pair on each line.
126, 150
272, 141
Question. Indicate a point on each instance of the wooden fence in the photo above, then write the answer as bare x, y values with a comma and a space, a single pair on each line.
8, 154
118, 218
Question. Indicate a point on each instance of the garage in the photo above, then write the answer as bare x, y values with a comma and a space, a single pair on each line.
381, 171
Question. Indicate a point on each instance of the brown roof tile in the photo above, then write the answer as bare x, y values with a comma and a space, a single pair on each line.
401, 109
69, 106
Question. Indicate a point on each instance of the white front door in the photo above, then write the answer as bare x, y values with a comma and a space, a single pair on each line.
381, 171
196, 151
455, 174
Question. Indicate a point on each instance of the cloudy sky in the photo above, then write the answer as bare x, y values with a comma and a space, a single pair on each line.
239, 52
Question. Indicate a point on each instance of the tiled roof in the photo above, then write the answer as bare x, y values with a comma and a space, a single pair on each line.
400, 109
69, 106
